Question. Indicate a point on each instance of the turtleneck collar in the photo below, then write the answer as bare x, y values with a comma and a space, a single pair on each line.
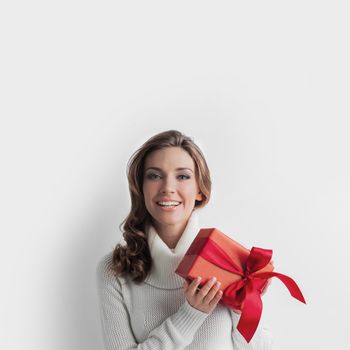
166, 260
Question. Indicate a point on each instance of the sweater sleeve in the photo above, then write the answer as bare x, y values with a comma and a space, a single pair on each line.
176, 332
262, 339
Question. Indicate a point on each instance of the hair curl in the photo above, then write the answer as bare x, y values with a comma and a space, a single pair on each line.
134, 259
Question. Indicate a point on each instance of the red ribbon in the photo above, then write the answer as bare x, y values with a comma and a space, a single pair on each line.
246, 291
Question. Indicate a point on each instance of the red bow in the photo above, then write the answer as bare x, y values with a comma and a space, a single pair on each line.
246, 291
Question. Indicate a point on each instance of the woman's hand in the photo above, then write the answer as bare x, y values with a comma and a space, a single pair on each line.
266, 286
268, 281
206, 298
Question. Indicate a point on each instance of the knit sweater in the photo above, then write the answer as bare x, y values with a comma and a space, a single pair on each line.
155, 314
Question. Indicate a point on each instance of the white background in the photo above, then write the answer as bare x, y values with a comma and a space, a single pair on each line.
261, 86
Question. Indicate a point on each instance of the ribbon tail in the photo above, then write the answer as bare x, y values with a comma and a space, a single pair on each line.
251, 313
288, 281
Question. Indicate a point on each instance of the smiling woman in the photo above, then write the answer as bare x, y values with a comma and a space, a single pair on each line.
144, 304
149, 170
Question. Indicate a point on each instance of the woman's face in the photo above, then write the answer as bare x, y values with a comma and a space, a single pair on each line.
164, 180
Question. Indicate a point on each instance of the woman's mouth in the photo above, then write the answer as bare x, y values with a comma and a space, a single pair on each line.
168, 205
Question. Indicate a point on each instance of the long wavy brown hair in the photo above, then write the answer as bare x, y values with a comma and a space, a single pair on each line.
134, 258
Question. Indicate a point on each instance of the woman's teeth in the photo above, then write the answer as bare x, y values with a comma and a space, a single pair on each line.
168, 204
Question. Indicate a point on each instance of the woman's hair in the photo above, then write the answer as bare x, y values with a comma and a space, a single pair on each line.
134, 259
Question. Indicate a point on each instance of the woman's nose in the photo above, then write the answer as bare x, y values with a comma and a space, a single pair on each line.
168, 184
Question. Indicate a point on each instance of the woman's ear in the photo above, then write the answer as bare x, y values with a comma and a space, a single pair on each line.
199, 196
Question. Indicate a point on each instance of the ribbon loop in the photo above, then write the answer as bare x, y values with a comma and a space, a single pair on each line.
258, 258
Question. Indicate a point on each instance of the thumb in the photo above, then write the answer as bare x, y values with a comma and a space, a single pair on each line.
185, 284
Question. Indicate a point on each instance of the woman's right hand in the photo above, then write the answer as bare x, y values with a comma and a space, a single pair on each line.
206, 298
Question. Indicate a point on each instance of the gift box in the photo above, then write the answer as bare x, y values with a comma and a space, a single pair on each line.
243, 274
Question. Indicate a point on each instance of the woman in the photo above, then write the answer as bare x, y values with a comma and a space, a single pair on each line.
143, 303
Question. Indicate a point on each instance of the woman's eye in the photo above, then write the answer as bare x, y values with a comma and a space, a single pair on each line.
153, 176
150, 176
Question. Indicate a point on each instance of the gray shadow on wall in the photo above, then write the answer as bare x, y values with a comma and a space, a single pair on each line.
98, 228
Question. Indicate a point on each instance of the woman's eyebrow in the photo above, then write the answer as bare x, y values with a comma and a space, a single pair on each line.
155, 168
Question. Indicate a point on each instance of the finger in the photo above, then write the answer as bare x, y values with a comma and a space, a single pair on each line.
266, 286
212, 292
205, 289
185, 285
194, 285
216, 298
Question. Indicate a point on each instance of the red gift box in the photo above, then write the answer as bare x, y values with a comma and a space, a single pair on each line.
243, 274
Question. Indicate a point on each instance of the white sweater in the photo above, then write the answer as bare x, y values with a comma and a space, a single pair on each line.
155, 315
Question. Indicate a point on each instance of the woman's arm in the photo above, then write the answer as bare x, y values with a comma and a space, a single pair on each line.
176, 332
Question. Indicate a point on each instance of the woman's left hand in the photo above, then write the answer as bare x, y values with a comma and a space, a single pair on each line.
263, 291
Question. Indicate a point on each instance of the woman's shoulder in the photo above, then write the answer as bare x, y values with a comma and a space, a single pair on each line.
105, 271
